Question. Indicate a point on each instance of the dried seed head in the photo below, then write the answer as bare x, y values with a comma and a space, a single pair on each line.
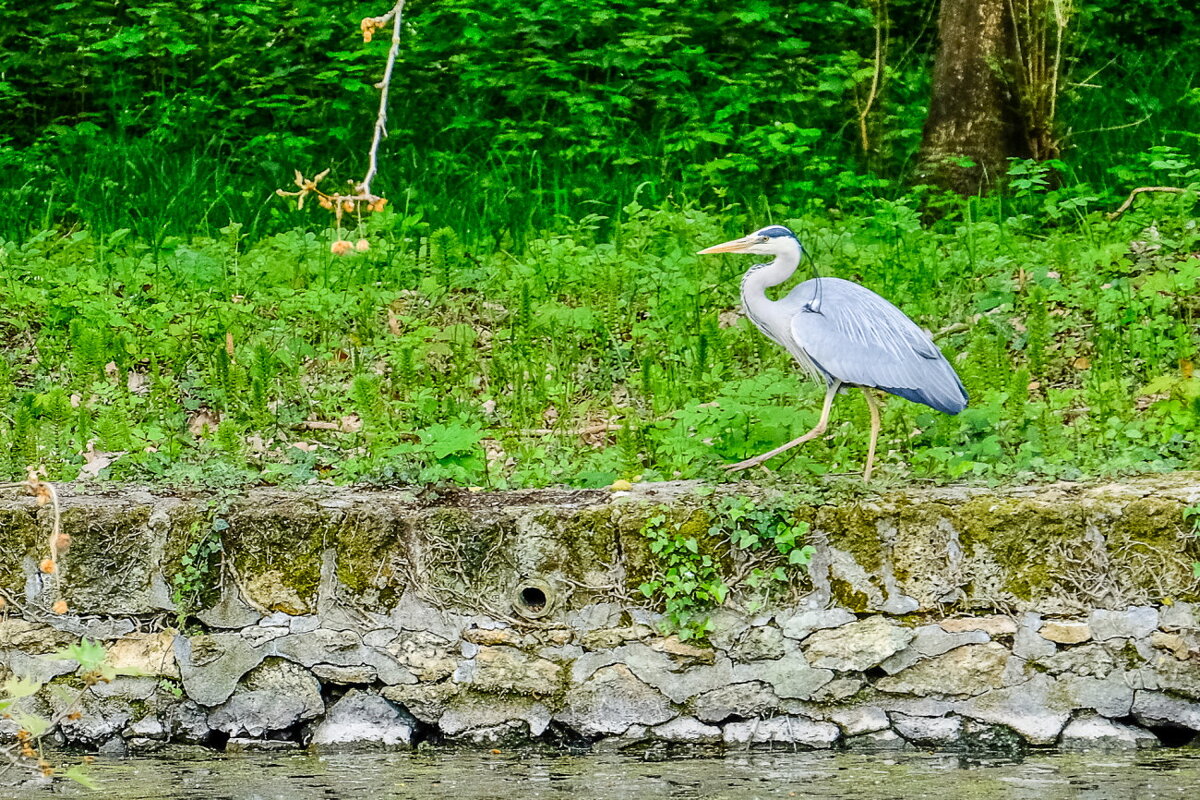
48, 566
341, 247
59, 607
362, 245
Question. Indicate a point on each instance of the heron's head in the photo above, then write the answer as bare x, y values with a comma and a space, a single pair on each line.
774, 240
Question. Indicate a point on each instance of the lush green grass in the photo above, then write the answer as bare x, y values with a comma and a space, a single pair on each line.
604, 350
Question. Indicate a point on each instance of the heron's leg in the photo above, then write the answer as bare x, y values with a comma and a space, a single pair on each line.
873, 404
814, 433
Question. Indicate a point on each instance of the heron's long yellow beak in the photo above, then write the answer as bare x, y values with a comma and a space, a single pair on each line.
733, 246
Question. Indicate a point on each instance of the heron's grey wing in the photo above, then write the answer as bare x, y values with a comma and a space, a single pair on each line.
859, 338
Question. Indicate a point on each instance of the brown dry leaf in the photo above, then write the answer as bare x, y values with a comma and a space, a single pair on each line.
110, 370
1082, 363
393, 323
203, 422
137, 382
95, 460
1147, 400
229, 343
1186, 368
727, 319
307, 447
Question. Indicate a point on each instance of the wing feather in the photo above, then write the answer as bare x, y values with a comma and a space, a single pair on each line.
858, 337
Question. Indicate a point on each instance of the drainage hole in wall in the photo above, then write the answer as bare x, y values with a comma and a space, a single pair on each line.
533, 598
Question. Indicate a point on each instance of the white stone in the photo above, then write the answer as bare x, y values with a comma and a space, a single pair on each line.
1135, 622
1093, 732
687, 729
860, 719
786, 730
800, 625
364, 718
928, 730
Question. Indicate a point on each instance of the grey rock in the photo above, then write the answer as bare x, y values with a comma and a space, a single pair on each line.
379, 637
790, 676
687, 729
740, 700
928, 731
1111, 696
273, 697
1135, 622
150, 727
758, 644
1028, 643
725, 627
230, 610
1177, 677
594, 616
210, 666
860, 720
127, 689
506, 669
93, 720
800, 625
471, 714
1087, 733
786, 730
1092, 660
361, 717
856, 646
339, 648
1155, 708
929, 641
963, 671
1026, 709
39, 669
1179, 617
995, 625
837, 690
425, 701
612, 700
658, 670
186, 722
423, 654
357, 674
258, 635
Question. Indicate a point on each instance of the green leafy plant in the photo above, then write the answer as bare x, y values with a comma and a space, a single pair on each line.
687, 580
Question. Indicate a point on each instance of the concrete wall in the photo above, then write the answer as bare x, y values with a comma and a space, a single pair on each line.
1051, 615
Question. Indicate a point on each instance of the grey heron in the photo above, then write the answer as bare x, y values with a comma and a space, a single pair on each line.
843, 334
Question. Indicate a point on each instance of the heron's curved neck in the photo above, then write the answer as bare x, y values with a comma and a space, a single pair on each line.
761, 277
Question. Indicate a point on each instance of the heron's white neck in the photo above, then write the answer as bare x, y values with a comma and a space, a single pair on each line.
761, 277
759, 308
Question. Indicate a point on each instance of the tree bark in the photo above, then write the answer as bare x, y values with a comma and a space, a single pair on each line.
975, 121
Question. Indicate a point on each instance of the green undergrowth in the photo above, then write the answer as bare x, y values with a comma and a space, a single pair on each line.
602, 350
701, 556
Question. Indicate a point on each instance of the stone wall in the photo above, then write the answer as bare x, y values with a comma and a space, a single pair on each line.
1045, 616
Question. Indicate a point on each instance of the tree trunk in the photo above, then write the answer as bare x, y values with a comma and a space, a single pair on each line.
975, 121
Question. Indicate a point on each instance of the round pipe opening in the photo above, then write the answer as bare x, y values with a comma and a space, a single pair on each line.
533, 598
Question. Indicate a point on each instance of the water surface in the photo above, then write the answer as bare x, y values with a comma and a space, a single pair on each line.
466, 775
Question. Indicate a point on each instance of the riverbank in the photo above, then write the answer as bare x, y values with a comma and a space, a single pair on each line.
1057, 615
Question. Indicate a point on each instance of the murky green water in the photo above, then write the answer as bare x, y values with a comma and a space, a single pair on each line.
524, 776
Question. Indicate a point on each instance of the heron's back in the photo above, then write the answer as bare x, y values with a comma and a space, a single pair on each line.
852, 334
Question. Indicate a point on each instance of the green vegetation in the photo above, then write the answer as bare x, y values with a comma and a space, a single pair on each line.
528, 310
26, 757
700, 558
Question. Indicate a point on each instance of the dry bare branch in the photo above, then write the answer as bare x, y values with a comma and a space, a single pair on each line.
1141, 190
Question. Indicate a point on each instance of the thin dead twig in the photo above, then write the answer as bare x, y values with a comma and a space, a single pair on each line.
1142, 190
